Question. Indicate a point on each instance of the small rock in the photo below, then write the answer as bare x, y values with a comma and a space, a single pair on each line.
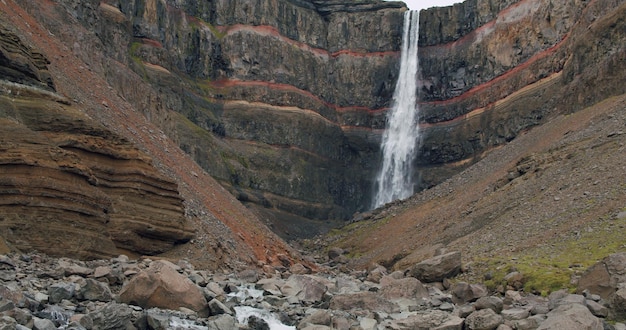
43, 324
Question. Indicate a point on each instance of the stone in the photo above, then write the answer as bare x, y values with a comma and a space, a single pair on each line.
409, 287
597, 309
163, 287
492, 302
367, 323
617, 301
463, 292
43, 324
484, 319
571, 316
257, 323
335, 252
513, 314
216, 307
307, 288
602, 278
299, 268
157, 321
438, 268
222, 322
95, 291
112, 316
376, 274
430, 320
561, 297
248, 276
515, 280
368, 301
101, 271
61, 290
319, 316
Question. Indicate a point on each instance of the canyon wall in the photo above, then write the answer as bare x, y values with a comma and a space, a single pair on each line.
275, 99
491, 70
284, 101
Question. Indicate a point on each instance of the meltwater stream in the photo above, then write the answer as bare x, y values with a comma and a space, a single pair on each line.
399, 143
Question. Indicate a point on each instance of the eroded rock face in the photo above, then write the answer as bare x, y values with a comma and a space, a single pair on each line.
70, 186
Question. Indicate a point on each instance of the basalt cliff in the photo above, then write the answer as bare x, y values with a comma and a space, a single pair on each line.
282, 102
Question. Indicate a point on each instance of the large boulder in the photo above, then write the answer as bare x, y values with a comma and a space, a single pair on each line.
306, 288
368, 301
409, 288
572, 316
437, 268
603, 277
437, 320
163, 287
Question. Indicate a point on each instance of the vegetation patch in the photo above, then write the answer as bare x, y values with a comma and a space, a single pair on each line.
556, 266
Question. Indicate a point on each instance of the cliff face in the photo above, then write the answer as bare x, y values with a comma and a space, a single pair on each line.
276, 99
491, 70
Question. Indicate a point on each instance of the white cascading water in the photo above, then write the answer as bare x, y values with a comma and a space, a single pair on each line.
399, 143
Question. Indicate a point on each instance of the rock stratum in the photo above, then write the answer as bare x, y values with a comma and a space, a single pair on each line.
68, 185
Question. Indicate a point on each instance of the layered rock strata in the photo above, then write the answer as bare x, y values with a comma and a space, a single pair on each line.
275, 99
68, 185
514, 68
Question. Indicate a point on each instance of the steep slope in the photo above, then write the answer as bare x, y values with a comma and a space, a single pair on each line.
551, 201
96, 186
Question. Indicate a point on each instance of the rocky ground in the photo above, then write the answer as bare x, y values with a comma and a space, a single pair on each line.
40, 292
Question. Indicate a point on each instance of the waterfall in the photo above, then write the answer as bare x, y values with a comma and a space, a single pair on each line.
399, 143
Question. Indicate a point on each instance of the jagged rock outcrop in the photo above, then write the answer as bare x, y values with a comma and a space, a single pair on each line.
68, 185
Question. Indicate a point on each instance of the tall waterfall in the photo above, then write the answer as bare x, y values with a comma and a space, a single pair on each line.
399, 143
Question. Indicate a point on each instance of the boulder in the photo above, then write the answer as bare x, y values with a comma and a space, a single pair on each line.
603, 277
368, 301
95, 290
484, 319
571, 316
437, 268
618, 305
463, 292
307, 288
409, 287
432, 320
60, 291
491, 302
163, 287
112, 316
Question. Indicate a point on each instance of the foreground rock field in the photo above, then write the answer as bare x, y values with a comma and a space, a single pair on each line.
40, 292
